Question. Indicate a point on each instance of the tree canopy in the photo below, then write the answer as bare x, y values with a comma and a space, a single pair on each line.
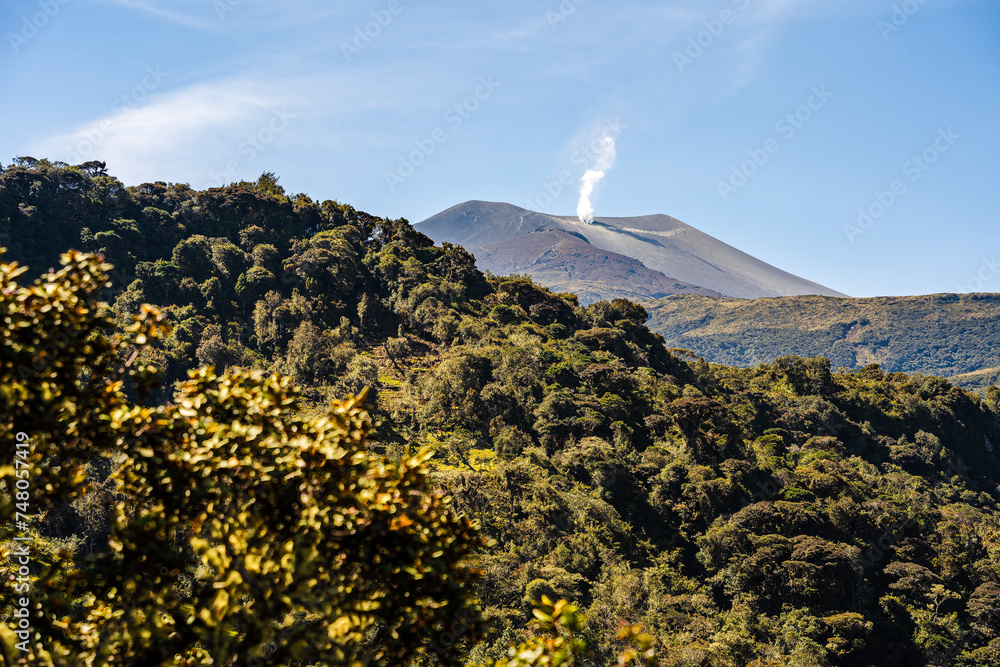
784, 514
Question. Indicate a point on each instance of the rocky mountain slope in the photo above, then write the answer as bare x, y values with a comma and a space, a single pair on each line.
497, 234
567, 262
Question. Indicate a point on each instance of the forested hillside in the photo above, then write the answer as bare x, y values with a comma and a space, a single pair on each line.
956, 336
783, 514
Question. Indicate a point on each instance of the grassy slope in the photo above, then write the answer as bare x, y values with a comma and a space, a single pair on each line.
951, 335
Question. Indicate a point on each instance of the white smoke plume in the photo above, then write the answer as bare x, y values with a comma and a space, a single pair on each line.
605, 160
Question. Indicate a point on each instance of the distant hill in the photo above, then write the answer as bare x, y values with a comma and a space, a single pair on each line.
498, 234
952, 335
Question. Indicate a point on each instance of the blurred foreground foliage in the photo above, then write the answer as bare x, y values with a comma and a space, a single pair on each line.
237, 530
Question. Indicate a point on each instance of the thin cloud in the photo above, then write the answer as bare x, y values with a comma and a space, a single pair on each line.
172, 129
756, 26
200, 128
266, 15
160, 10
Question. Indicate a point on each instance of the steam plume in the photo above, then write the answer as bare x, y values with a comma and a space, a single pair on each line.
604, 162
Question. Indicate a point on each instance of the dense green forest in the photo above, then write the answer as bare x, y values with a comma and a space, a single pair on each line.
956, 336
783, 514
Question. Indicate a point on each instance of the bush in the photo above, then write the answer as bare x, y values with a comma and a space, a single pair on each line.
243, 532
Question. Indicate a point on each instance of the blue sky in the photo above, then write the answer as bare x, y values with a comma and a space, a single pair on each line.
770, 124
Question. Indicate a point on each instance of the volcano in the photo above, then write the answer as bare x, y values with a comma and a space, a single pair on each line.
638, 257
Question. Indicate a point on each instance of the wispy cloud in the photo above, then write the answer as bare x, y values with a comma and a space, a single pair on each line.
195, 129
743, 42
169, 10
176, 129
220, 14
